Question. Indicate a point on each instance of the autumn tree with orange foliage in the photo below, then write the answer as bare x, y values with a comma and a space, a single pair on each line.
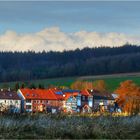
100, 85
81, 85
129, 97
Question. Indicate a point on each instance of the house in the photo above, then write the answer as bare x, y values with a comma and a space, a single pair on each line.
101, 100
117, 108
40, 100
56, 104
9, 101
86, 98
76, 100
71, 100
115, 96
68, 100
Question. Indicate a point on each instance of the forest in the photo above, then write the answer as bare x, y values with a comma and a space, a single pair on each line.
30, 65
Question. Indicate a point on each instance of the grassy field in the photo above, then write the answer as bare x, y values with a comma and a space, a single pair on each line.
44, 126
46, 82
112, 81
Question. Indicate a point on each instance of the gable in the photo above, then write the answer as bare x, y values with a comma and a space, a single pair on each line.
71, 99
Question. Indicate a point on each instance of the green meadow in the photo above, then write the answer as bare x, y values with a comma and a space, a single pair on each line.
112, 81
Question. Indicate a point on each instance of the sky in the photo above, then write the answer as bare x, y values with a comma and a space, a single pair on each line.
66, 25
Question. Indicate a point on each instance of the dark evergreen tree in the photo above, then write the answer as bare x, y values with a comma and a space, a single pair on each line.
16, 86
41, 86
23, 66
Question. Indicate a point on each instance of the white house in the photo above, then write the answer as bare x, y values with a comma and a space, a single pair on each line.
9, 101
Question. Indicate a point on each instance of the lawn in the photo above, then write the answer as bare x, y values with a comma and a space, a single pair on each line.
43, 126
46, 82
114, 82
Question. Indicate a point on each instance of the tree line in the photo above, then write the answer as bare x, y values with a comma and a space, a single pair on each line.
16, 66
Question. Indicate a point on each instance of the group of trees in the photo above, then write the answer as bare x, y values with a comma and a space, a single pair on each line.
19, 85
129, 97
29, 65
98, 85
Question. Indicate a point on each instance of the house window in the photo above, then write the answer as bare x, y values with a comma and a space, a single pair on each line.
71, 99
27, 94
78, 100
90, 101
28, 106
83, 98
28, 101
34, 101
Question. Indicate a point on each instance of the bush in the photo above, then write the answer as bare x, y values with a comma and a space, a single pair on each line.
43, 126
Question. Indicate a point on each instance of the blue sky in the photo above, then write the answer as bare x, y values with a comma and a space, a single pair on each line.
67, 25
71, 16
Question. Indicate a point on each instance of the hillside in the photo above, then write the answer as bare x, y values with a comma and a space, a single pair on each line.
112, 81
21, 66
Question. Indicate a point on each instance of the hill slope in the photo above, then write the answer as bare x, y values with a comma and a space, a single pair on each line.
112, 81
16, 66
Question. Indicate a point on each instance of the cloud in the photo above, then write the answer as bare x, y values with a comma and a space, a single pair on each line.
54, 39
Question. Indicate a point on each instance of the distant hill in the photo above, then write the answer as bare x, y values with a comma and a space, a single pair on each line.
19, 66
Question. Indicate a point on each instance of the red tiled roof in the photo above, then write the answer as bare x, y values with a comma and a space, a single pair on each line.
68, 95
85, 93
58, 96
49, 94
39, 94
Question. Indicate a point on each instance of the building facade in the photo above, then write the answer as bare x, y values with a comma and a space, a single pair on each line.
102, 101
40, 100
9, 102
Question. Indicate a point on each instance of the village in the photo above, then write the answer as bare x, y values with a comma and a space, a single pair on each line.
69, 69
55, 100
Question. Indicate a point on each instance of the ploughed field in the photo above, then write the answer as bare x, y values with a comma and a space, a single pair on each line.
112, 81
42, 126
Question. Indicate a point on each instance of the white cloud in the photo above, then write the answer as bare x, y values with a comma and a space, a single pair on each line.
54, 39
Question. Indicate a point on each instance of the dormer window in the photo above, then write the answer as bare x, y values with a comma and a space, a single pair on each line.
33, 95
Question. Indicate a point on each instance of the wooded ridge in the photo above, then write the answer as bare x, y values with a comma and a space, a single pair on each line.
30, 65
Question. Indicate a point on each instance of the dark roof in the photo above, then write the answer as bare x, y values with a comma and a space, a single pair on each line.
9, 95
100, 95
